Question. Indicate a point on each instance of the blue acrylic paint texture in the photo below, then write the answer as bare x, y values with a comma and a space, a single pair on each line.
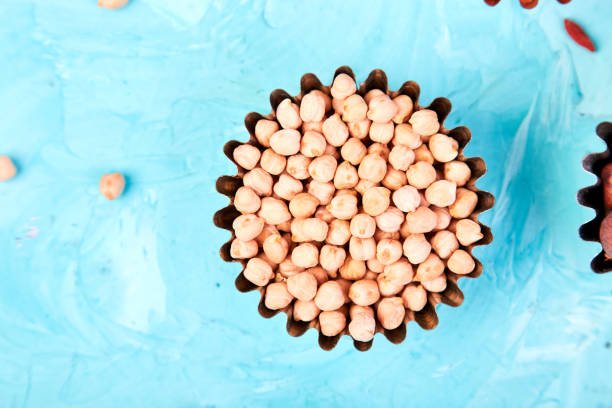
127, 303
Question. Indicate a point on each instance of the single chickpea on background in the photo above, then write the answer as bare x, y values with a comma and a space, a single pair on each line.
7, 168
112, 4
112, 185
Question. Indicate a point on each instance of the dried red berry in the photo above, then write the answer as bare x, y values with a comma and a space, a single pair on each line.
605, 235
492, 2
578, 35
529, 4
564, 1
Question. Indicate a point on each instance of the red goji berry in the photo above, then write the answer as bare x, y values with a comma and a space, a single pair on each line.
529, 4
578, 35
492, 2
564, 1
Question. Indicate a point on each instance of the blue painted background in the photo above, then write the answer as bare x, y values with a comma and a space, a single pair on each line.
127, 304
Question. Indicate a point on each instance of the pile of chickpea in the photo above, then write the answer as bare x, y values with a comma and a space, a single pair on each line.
352, 208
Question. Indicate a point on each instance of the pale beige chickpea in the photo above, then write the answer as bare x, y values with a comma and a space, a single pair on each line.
388, 251
335, 130
322, 191
339, 232
352, 269
258, 272
364, 185
360, 129
381, 109
111, 185
363, 226
276, 248
246, 156
8, 171
404, 135
288, 268
444, 218
343, 86
312, 127
421, 174
374, 266
286, 142
332, 322
461, 262
391, 312
435, 285
354, 109
430, 268
464, 204
332, 151
305, 310
369, 274
319, 273
390, 220
277, 296
264, 129
394, 277
323, 168
274, 211
303, 205
362, 249
401, 157
381, 132
441, 193
313, 144
265, 233
343, 207
287, 187
380, 149
247, 227
288, 115
308, 229
346, 176
338, 106
394, 179
332, 257
362, 326
364, 292
404, 108
406, 198
243, 249
302, 286
372, 93
112, 4
330, 296
353, 151
467, 232
297, 166
376, 200
373, 168
458, 172
425, 122
379, 235
443, 148
246, 200
324, 214
416, 248
414, 297
272, 162
421, 221
422, 154
326, 98
444, 243
345, 284
312, 107
259, 181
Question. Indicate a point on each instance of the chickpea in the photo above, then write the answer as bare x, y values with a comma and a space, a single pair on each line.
374, 266
390, 220
287, 187
404, 135
372, 93
312, 107
313, 144
394, 277
272, 162
376, 200
353, 151
443, 148
303, 205
352, 269
430, 268
381, 132
286, 142
379, 235
364, 185
421, 220
259, 181
247, 227
264, 129
287, 268
258, 272
323, 168
363, 325
468, 232
332, 257
394, 179
332, 322
388, 251
112, 4
243, 249
401, 157
322, 191
362, 249
373, 168
343, 207
332, 151
363, 226
319, 273
308, 229
288, 115
441, 193
380, 149
464, 204
274, 211
360, 129
8, 169
421, 174
346, 176
422, 154
302, 286
425, 122
305, 310
444, 218
406, 198
338, 105
354, 109
246, 156
297, 166
458, 172
265, 233
111, 185
435, 285
404, 108
444, 243
343, 86
246, 200
335, 130
461, 262
414, 297
275, 248
364, 292
330, 296
416, 248
323, 213
391, 312
381, 109
339, 232
277, 296
345, 285
312, 127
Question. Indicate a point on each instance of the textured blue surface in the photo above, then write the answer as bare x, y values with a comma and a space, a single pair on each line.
126, 303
